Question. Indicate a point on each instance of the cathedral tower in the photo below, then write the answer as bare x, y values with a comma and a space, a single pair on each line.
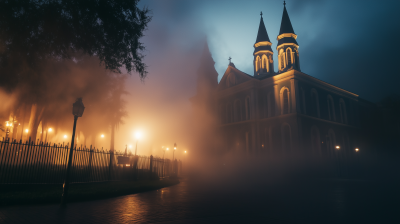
288, 49
263, 62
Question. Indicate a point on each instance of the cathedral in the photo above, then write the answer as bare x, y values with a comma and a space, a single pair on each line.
279, 112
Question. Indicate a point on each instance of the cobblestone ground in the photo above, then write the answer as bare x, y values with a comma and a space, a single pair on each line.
191, 202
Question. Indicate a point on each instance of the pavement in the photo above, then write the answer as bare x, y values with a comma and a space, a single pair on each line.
190, 201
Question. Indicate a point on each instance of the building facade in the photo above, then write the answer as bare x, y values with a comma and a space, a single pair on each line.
286, 111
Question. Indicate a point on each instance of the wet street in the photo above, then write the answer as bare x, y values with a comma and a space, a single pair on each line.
191, 201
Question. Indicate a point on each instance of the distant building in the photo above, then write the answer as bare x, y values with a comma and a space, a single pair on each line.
284, 111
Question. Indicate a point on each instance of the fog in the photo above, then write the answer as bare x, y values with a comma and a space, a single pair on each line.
159, 106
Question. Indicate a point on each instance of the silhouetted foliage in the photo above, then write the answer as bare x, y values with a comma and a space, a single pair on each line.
35, 30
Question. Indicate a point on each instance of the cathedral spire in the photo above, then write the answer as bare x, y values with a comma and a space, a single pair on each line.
286, 25
263, 63
288, 53
262, 32
207, 76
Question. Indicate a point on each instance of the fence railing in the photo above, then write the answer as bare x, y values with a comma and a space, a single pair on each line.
30, 162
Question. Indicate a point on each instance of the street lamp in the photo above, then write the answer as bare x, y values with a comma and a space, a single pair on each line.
174, 151
77, 111
357, 149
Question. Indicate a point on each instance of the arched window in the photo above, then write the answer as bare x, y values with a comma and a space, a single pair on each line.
281, 59
285, 106
247, 105
315, 103
343, 112
265, 63
257, 65
331, 108
286, 137
315, 140
289, 56
237, 111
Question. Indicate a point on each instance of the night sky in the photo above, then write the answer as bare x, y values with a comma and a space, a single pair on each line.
350, 44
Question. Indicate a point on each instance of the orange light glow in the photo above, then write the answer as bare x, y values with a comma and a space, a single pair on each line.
167, 149
337, 147
185, 152
102, 136
26, 130
65, 136
357, 149
138, 135
50, 129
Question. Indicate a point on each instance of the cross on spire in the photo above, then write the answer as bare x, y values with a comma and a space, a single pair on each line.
284, 3
229, 60
261, 13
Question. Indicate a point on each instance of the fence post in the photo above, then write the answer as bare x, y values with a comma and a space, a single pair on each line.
90, 161
111, 163
151, 166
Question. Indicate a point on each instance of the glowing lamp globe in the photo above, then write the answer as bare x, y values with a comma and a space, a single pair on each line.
78, 108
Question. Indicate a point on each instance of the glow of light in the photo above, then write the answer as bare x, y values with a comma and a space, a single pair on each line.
174, 148
19, 124
26, 130
162, 147
138, 135
185, 151
167, 149
357, 149
102, 136
65, 136
338, 147
130, 146
50, 129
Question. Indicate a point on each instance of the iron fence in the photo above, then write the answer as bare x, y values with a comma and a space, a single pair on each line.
34, 163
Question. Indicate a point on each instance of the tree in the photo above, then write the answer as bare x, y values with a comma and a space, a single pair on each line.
36, 33
40, 29
116, 109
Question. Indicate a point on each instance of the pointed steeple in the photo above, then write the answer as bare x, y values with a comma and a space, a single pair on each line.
262, 32
288, 48
263, 63
286, 25
207, 76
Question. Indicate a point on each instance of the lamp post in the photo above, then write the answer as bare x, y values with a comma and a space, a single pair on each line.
77, 111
